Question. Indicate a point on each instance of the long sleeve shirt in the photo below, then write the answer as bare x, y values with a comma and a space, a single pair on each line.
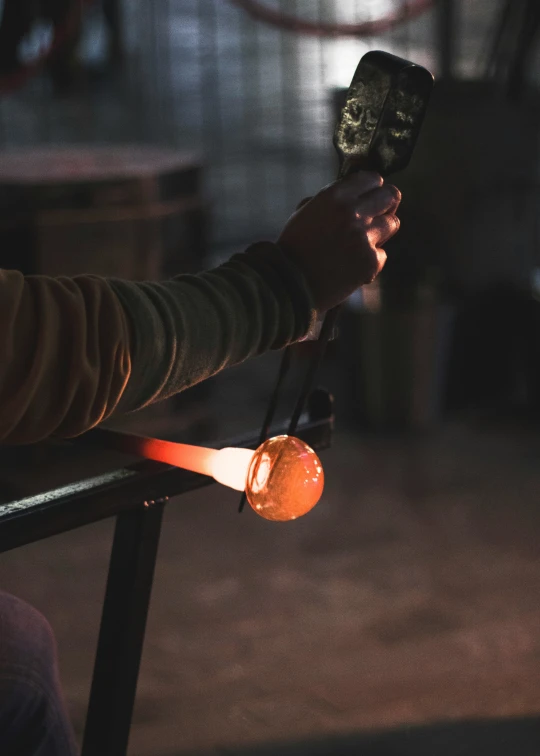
73, 351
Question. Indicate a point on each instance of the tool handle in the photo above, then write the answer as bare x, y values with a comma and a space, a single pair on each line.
346, 168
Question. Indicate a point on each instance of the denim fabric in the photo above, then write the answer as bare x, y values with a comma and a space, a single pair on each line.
33, 717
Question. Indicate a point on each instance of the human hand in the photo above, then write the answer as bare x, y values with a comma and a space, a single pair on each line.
336, 237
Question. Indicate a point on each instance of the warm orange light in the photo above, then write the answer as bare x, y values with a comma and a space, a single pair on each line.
230, 467
227, 466
285, 479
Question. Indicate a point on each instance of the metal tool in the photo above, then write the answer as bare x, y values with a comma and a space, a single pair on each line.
377, 131
383, 114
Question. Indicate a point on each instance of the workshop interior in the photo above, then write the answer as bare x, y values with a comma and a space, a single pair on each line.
143, 139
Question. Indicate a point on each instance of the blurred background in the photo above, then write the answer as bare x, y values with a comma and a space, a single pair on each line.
151, 137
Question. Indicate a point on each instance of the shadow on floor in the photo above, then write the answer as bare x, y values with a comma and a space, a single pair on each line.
515, 737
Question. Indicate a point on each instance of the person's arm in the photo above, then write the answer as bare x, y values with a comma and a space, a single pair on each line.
75, 350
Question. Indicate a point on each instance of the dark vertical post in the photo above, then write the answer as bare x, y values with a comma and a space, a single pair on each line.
503, 30
526, 37
121, 636
113, 17
446, 36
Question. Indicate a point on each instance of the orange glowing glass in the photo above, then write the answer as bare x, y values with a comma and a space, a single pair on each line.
285, 479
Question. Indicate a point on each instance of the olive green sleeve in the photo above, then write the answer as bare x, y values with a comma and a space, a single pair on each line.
73, 351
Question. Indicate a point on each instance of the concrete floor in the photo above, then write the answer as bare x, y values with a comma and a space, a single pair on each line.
409, 596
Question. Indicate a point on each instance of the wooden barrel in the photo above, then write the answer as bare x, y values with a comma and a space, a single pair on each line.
123, 211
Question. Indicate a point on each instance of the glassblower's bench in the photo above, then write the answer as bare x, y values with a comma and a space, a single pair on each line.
135, 493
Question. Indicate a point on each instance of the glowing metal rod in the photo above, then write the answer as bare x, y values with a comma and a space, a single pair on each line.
283, 478
227, 466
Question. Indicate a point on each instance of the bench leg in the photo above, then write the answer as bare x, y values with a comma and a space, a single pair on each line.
121, 636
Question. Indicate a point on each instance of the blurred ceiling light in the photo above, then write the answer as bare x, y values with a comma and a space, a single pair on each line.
346, 53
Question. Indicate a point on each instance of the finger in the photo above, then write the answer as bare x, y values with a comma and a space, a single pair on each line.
383, 228
356, 185
378, 202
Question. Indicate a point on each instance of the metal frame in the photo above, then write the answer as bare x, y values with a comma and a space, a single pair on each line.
136, 495
121, 636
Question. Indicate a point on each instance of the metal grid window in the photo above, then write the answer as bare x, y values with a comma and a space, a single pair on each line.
254, 99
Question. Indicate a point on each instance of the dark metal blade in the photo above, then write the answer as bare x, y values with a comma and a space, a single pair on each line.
383, 113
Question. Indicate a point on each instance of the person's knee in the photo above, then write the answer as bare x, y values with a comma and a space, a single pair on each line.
27, 655
33, 718
23, 712
27, 644
28, 679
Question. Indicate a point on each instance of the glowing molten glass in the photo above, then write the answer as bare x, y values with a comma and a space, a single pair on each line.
285, 479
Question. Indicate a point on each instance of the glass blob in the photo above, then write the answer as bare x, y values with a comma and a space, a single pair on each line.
285, 479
